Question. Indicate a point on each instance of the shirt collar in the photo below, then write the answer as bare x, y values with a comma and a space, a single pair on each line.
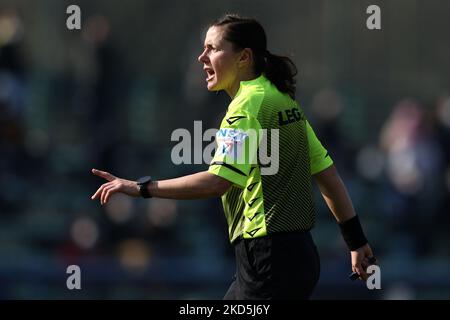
253, 82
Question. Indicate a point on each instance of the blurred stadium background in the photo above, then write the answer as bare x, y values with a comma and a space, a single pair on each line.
109, 95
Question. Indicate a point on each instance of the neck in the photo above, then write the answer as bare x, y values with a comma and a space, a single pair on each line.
246, 76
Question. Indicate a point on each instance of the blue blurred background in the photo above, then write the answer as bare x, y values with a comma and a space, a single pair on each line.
109, 96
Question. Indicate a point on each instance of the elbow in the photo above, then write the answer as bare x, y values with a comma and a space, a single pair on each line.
221, 186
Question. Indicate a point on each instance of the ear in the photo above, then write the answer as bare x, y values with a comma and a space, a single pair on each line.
246, 58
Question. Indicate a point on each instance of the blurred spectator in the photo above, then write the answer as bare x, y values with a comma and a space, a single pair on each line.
412, 167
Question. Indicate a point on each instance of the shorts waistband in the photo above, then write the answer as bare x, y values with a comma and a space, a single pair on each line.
273, 235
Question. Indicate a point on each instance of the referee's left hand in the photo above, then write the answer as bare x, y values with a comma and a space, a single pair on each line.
360, 260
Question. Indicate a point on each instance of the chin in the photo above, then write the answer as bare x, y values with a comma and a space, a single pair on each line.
212, 87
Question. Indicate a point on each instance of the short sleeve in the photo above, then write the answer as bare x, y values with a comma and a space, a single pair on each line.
237, 146
318, 155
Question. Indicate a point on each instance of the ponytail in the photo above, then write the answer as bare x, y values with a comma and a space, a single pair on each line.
281, 71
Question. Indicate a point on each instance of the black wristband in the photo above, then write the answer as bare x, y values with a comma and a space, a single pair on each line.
352, 233
143, 186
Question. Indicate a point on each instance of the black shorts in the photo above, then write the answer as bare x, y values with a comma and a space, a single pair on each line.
279, 266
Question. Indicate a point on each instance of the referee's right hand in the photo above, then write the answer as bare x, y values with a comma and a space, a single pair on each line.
114, 185
361, 258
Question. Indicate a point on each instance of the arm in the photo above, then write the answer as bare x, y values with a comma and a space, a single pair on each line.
336, 196
194, 186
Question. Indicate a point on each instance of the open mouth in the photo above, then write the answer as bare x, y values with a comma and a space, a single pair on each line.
209, 73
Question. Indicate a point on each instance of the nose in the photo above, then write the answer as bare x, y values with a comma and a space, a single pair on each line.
202, 57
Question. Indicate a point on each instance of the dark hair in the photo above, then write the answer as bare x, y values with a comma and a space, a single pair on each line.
248, 33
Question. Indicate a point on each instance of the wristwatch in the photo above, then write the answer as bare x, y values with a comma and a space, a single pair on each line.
143, 186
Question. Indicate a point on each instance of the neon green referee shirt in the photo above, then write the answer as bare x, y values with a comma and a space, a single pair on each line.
261, 124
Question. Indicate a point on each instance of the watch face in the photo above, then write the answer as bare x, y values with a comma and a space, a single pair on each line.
143, 180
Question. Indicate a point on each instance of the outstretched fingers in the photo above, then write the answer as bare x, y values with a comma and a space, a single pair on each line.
103, 174
108, 192
113, 185
99, 191
104, 192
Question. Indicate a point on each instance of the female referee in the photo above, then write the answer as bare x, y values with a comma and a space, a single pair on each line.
269, 215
